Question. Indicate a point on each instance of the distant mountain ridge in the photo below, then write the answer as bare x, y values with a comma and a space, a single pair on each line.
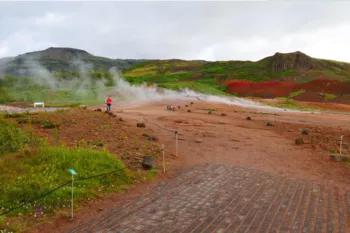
60, 60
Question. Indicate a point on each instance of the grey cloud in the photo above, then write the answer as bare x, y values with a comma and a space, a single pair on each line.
187, 30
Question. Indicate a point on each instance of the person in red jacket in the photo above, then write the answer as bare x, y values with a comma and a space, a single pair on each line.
109, 103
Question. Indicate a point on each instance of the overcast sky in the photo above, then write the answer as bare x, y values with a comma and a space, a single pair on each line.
186, 30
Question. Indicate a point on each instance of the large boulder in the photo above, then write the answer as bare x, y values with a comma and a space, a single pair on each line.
148, 163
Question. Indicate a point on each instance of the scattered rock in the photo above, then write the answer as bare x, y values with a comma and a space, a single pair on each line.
186, 105
223, 114
153, 138
299, 141
210, 112
191, 103
248, 118
83, 107
121, 119
178, 107
148, 163
198, 140
99, 210
113, 115
141, 125
269, 124
189, 110
98, 110
339, 158
48, 125
305, 131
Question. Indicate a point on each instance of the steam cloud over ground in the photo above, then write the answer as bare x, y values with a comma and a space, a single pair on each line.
85, 89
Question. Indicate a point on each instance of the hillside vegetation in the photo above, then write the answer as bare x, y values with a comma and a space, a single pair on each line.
73, 76
60, 60
283, 72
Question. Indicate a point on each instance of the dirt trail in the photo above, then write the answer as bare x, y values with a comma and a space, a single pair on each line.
232, 139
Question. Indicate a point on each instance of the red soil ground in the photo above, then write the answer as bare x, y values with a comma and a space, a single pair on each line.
228, 139
273, 89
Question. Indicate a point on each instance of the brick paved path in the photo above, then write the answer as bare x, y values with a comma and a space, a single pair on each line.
225, 198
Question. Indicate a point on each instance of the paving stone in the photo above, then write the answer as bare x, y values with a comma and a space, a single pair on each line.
225, 198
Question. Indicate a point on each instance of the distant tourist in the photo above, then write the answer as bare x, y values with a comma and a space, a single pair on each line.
109, 103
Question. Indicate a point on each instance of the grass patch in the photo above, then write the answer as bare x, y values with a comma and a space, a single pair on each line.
290, 104
329, 96
281, 98
151, 174
25, 176
294, 94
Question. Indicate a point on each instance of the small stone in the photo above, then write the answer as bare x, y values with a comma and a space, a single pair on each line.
299, 141
248, 118
223, 114
141, 125
148, 163
98, 110
305, 131
153, 138
178, 107
269, 124
198, 140
189, 110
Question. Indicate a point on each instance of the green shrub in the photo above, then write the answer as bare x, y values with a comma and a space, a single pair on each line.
11, 138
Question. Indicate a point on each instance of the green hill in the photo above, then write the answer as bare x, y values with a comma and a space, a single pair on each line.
281, 67
60, 60
294, 67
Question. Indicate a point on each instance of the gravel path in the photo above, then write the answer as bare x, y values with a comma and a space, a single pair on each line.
9, 109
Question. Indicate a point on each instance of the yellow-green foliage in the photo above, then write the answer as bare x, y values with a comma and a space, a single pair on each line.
294, 94
329, 96
11, 138
147, 70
